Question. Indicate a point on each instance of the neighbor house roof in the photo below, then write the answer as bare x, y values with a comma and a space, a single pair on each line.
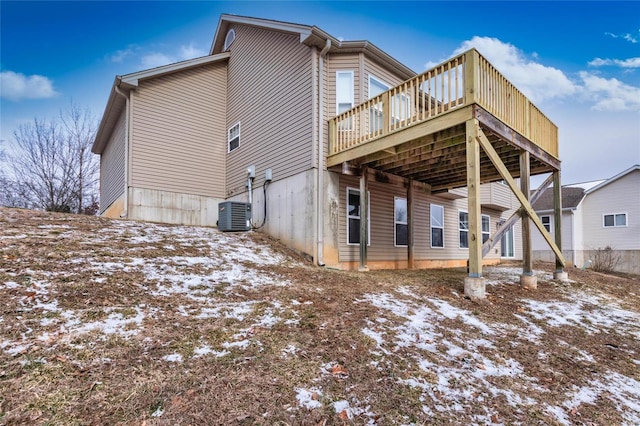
571, 197
614, 178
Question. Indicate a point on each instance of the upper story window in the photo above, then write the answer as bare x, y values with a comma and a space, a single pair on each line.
614, 220
376, 87
228, 40
344, 91
233, 137
546, 222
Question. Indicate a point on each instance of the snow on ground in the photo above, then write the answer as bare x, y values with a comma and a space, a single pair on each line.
457, 371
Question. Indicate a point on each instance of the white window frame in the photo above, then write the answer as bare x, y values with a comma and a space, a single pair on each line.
229, 39
349, 189
488, 231
547, 224
380, 82
431, 226
338, 94
509, 234
229, 139
396, 222
615, 215
460, 230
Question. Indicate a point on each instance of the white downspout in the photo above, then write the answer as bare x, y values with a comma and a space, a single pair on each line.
320, 183
125, 212
573, 236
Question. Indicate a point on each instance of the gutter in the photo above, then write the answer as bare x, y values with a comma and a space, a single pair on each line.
320, 183
116, 88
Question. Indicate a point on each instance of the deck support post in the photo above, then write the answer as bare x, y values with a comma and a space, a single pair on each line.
474, 284
364, 217
559, 273
409, 224
527, 279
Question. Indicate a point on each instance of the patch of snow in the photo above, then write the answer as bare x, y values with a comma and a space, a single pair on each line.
289, 350
173, 358
10, 284
305, 398
158, 412
242, 344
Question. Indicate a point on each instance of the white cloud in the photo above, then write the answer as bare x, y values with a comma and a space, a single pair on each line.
628, 37
120, 55
156, 59
538, 82
610, 94
17, 86
623, 63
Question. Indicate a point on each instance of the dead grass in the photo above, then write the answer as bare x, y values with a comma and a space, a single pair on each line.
110, 322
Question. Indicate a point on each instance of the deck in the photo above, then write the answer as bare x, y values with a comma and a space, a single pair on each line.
417, 129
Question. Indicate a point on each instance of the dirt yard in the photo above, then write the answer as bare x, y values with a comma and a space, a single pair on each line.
119, 322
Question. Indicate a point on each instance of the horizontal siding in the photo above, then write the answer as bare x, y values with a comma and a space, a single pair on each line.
382, 247
112, 165
270, 94
380, 73
341, 62
179, 132
620, 196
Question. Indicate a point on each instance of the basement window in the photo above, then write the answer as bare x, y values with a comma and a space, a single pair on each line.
614, 220
401, 226
464, 228
353, 217
234, 137
437, 226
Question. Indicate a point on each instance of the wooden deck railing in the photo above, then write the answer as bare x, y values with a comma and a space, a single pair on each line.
464, 80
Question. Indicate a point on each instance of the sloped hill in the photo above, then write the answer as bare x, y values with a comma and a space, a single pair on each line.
120, 322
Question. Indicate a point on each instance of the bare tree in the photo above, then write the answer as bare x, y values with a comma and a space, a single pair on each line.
80, 130
52, 167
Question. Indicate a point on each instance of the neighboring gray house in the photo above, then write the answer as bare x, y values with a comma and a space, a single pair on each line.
326, 118
596, 215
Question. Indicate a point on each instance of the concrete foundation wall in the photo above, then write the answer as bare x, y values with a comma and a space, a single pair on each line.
172, 207
290, 210
627, 260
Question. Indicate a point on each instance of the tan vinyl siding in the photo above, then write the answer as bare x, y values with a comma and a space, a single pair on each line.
112, 165
382, 248
380, 73
178, 138
619, 196
341, 62
270, 94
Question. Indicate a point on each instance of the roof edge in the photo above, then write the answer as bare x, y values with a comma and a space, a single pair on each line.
614, 178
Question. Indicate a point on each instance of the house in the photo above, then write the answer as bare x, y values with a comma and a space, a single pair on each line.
351, 157
596, 215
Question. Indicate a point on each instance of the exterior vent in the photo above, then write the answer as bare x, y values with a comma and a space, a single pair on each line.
234, 216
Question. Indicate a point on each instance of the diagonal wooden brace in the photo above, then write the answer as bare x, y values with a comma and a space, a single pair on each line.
526, 206
497, 236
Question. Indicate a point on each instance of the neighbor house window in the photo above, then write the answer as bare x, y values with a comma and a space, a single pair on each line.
400, 222
463, 227
234, 137
614, 220
231, 36
353, 217
437, 226
486, 228
546, 222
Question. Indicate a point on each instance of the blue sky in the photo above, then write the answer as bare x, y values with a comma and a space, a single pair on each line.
578, 61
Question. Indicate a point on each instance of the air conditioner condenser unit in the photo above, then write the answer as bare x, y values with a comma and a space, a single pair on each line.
234, 216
